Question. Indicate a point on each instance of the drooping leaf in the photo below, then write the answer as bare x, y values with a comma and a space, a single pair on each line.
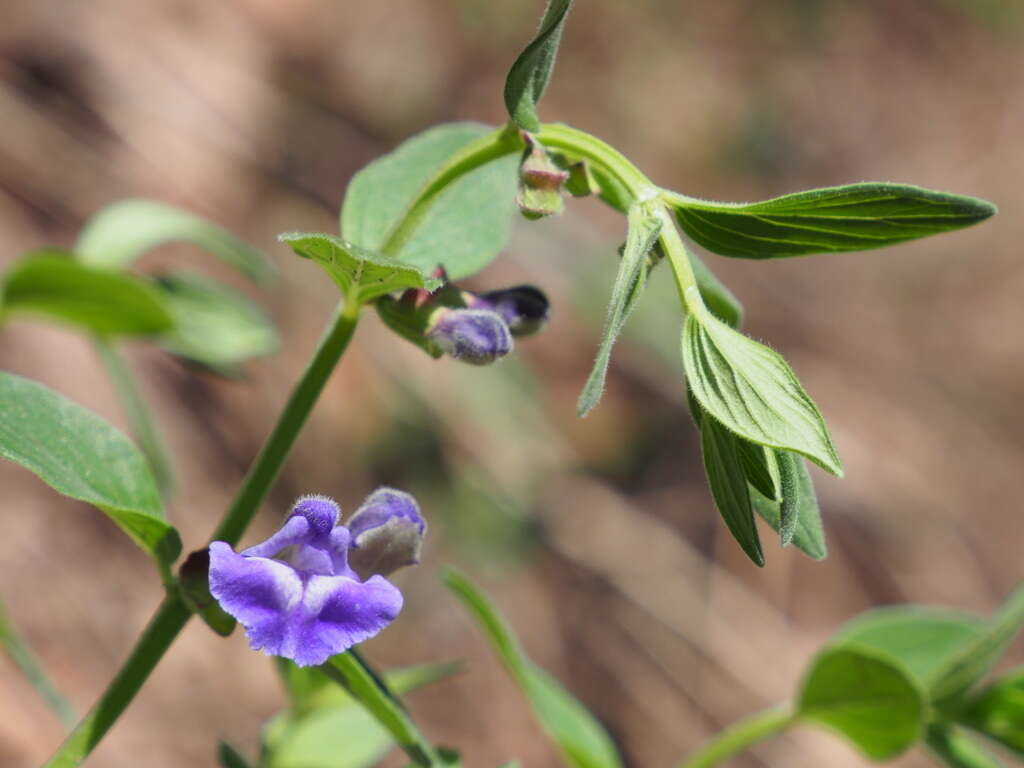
753, 391
717, 298
728, 484
92, 299
582, 740
972, 661
793, 482
760, 467
326, 728
998, 711
465, 227
924, 639
214, 325
80, 455
642, 235
854, 217
120, 233
808, 534
958, 750
349, 265
866, 696
530, 73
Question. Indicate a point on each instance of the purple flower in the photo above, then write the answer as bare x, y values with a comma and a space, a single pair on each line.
310, 604
477, 336
524, 308
387, 532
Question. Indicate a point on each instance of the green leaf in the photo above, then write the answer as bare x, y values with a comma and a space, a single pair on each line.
760, 467
866, 696
323, 716
924, 639
753, 391
530, 73
349, 265
582, 740
854, 217
229, 757
998, 711
214, 325
80, 455
717, 298
972, 661
464, 229
19, 652
120, 233
644, 229
729, 485
808, 534
958, 750
96, 300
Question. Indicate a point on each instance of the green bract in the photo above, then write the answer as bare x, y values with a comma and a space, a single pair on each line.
367, 273
80, 455
854, 217
466, 225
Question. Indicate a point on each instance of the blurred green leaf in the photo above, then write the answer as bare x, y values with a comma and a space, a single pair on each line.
867, 697
228, 757
582, 740
854, 217
120, 233
349, 265
19, 652
96, 300
530, 73
729, 485
214, 325
923, 639
974, 659
642, 235
753, 392
808, 535
464, 229
998, 711
956, 749
80, 455
717, 298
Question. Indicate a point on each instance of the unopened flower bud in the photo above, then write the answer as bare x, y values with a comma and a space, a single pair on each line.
540, 182
581, 182
524, 308
387, 533
476, 336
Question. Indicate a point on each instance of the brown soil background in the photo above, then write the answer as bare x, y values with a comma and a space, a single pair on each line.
597, 537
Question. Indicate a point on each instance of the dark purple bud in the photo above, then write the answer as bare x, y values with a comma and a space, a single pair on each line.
524, 308
476, 336
387, 533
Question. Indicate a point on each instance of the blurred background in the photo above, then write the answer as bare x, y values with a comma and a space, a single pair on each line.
597, 537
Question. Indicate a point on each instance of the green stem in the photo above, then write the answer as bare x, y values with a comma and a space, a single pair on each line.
158, 636
137, 413
740, 736
357, 677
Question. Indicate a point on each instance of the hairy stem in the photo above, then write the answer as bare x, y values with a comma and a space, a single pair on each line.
740, 736
137, 412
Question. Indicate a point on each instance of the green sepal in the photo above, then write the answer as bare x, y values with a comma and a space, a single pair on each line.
194, 586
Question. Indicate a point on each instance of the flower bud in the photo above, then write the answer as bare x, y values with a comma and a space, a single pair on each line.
581, 182
524, 308
387, 533
476, 336
540, 182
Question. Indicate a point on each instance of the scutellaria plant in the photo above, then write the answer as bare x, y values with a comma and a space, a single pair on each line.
413, 225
